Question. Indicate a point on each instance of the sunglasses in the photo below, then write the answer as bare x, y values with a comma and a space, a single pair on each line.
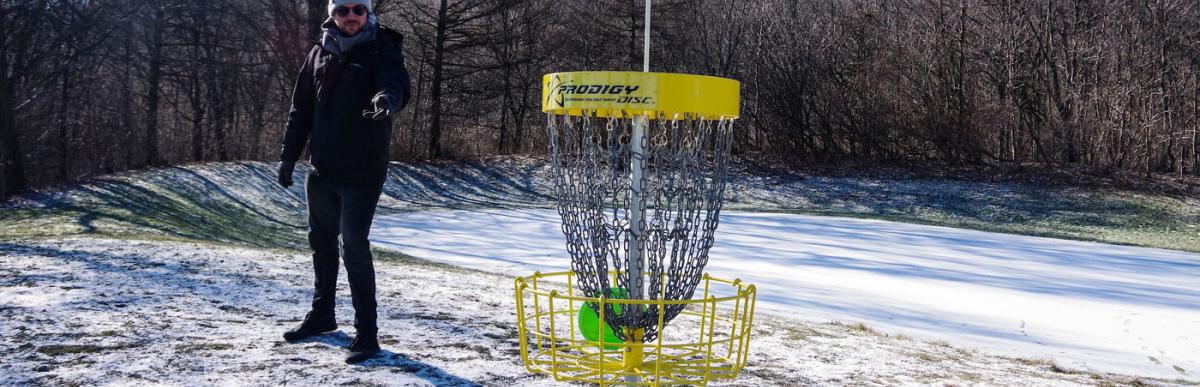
343, 11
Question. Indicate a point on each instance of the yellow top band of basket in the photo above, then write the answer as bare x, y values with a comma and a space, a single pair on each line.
628, 93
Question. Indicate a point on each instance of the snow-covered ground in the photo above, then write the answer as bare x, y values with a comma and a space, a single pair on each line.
1092, 306
96, 311
86, 298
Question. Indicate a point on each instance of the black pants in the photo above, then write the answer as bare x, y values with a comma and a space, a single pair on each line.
335, 208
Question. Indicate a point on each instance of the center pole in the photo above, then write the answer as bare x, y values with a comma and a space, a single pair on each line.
633, 354
637, 171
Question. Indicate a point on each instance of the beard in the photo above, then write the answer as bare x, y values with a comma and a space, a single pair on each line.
350, 28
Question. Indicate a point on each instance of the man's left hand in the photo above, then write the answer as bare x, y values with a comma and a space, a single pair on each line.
383, 108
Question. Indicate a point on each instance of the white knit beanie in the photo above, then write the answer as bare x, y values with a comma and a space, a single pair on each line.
337, 3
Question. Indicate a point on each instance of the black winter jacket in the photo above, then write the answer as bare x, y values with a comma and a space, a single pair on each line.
330, 96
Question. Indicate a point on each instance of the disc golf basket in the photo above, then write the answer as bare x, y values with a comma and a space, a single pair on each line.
639, 162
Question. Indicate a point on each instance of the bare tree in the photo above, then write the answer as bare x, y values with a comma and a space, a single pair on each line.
87, 87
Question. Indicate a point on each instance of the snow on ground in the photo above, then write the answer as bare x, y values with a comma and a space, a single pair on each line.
98, 311
1092, 306
86, 310
90, 311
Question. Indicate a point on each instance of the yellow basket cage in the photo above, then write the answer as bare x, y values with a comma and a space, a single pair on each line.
640, 162
708, 341
603, 191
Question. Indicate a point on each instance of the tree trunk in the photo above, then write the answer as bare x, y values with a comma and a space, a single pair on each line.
195, 91
520, 108
506, 63
153, 79
1195, 132
317, 13
61, 118
635, 18
505, 100
14, 168
221, 103
435, 122
257, 124
11, 161
518, 119
415, 102
197, 118
126, 107
229, 120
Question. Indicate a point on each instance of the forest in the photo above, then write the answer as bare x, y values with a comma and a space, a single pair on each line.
91, 87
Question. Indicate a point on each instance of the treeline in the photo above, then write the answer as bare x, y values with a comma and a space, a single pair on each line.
99, 86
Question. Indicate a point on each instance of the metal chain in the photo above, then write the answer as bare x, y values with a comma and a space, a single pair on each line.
686, 167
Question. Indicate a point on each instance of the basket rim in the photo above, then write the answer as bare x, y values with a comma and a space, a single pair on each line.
522, 284
628, 94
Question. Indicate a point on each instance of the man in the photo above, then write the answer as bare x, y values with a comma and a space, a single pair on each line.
345, 95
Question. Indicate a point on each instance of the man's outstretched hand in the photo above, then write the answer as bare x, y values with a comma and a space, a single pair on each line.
285, 173
383, 108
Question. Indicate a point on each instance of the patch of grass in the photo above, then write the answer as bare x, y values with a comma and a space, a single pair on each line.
1183, 382
1038, 362
385, 255
1107, 216
440, 316
1054, 367
183, 203
173, 205
189, 348
802, 333
79, 361
67, 349
862, 328
393, 256
969, 377
70, 349
927, 357
1122, 380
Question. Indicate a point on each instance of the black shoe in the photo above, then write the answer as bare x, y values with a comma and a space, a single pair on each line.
310, 327
364, 347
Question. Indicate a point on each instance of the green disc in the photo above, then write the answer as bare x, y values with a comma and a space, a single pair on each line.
590, 324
